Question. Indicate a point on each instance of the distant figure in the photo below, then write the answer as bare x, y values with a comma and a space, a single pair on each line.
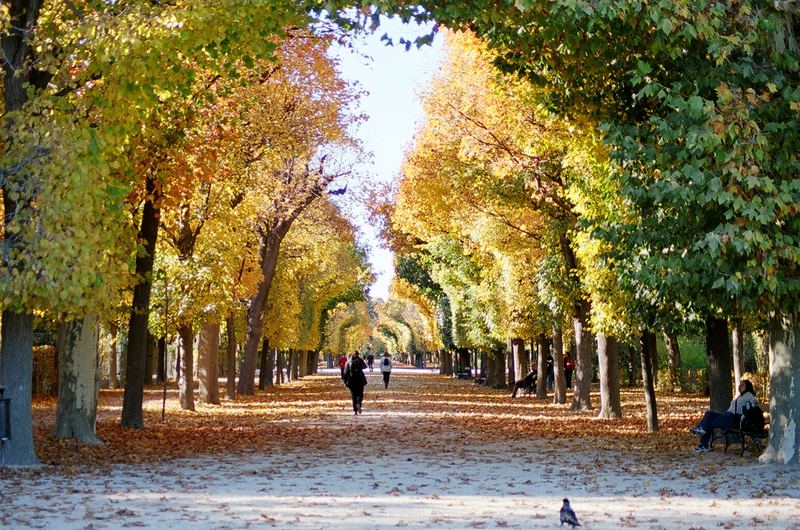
569, 366
355, 380
527, 382
568, 515
370, 360
551, 374
745, 399
342, 363
386, 369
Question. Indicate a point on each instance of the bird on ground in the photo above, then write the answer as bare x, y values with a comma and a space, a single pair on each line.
568, 515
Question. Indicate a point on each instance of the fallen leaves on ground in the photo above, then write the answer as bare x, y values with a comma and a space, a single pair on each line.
315, 412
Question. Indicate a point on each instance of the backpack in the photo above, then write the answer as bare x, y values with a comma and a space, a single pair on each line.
752, 420
386, 361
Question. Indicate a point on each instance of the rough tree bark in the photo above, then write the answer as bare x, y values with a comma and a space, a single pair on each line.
648, 344
581, 399
113, 331
230, 352
262, 372
520, 360
541, 367
608, 357
718, 355
674, 358
16, 373
186, 373
737, 343
784, 405
270, 371
137, 326
207, 365
560, 394
78, 377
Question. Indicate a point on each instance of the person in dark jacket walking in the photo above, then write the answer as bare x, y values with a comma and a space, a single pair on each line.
355, 380
386, 369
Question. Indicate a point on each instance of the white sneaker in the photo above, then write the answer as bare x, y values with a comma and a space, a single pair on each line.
701, 449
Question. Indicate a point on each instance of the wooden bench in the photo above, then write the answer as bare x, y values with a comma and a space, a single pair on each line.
466, 374
745, 439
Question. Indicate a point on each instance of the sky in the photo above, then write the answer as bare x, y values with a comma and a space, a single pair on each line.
392, 78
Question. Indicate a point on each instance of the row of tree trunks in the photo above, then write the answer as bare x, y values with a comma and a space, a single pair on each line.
264, 374
519, 359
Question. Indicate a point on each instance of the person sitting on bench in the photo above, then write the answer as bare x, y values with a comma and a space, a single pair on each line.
727, 420
526, 383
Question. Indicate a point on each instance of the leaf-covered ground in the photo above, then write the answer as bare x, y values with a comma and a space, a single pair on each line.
429, 452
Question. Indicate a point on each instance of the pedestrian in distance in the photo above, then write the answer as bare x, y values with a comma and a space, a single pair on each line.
356, 380
551, 374
569, 367
342, 363
386, 369
370, 360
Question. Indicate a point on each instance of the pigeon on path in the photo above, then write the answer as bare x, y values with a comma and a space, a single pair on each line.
568, 515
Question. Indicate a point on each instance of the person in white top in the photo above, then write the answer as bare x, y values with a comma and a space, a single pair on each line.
386, 369
727, 420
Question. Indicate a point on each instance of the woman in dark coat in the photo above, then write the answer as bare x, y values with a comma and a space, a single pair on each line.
355, 380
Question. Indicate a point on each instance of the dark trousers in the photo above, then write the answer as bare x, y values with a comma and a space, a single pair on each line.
568, 377
716, 420
357, 392
386, 379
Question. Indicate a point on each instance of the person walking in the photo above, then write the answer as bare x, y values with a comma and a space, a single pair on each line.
342, 363
356, 380
386, 369
551, 374
370, 360
569, 366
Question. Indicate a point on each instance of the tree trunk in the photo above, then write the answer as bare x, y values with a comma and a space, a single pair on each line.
279, 367
289, 363
608, 358
270, 371
186, 377
541, 367
761, 340
648, 344
302, 363
230, 370
520, 359
262, 372
674, 357
149, 360
718, 355
113, 331
207, 364
784, 405
137, 328
270, 246
581, 398
313, 362
295, 365
161, 369
738, 353
510, 368
560, 393
78, 382
16, 375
